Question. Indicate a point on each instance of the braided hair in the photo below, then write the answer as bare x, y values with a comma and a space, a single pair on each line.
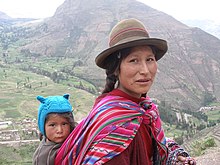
113, 63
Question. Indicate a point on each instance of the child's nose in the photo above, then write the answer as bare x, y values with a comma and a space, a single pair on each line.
59, 129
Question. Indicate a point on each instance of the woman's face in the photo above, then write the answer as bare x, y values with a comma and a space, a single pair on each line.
57, 128
137, 71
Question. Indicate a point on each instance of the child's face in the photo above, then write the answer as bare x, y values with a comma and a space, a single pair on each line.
57, 128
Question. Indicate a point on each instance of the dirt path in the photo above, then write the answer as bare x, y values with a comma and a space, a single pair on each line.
210, 158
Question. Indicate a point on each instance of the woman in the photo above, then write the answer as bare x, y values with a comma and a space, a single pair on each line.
124, 126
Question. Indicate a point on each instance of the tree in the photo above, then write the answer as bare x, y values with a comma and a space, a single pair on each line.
208, 98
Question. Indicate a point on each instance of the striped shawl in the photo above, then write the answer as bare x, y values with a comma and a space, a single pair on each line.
109, 129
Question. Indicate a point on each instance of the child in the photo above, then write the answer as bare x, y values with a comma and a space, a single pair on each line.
55, 122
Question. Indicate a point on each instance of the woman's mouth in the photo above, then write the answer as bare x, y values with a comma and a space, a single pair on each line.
143, 80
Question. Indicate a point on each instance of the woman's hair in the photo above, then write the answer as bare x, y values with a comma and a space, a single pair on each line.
113, 63
66, 115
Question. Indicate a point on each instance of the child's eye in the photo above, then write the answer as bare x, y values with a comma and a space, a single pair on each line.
65, 123
51, 125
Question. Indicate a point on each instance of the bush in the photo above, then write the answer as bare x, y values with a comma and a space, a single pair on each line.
201, 146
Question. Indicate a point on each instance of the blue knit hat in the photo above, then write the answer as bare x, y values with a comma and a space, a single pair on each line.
52, 104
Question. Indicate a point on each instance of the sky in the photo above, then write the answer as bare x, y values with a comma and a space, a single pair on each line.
187, 9
29, 8
179, 9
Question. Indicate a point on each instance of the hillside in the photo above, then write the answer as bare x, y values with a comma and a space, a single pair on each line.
20, 88
209, 156
79, 30
4, 16
56, 56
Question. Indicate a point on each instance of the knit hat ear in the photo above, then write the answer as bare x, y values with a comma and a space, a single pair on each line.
66, 96
52, 104
41, 99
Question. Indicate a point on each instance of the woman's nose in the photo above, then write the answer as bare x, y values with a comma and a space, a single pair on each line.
143, 69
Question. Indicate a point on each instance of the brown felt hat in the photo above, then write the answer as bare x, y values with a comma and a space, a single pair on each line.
129, 33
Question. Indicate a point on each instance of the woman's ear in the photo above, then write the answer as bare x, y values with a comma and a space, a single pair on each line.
116, 73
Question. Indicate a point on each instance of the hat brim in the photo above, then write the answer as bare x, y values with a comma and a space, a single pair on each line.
160, 44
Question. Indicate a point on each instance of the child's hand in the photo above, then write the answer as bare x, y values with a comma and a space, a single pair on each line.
186, 160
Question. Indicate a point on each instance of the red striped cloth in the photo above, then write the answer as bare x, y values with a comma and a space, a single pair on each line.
109, 129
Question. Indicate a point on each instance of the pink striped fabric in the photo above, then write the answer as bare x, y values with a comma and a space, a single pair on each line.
108, 130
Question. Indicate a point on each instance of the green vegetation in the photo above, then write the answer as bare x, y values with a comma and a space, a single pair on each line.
17, 155
199, 147
19, 89
23, 77
214, 115
208, 98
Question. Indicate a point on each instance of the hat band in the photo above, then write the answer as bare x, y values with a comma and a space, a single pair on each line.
127, 33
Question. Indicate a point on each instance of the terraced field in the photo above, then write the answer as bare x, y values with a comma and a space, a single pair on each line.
211, 156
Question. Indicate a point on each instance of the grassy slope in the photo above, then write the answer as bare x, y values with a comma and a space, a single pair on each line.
17, 155
18, 101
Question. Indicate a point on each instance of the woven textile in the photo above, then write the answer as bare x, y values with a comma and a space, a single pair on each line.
109, 129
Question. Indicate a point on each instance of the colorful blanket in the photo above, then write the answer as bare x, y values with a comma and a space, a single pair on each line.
109, 129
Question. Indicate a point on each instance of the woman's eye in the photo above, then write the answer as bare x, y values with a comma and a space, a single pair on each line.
133, 60
151, 59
